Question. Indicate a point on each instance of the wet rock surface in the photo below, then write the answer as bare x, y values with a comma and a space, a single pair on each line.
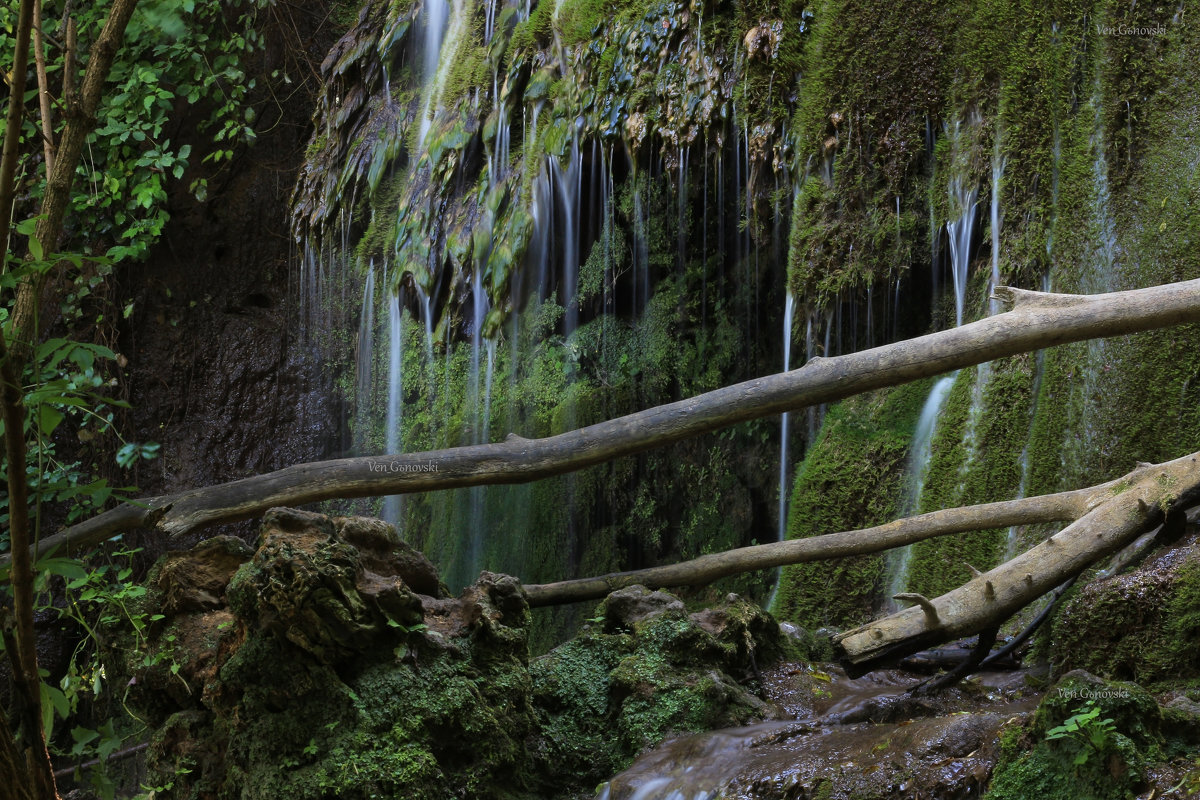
860, 738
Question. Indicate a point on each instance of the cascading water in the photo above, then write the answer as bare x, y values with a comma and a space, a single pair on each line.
960, 232
1099, 275
788, 312
395, 403
918, 465
365, 353
1012, 540
488, 202
437, 14
997, 175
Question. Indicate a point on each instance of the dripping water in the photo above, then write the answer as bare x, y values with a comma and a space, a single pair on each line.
918, 467
959, 232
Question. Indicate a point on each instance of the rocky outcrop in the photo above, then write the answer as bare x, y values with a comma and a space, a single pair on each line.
330, 661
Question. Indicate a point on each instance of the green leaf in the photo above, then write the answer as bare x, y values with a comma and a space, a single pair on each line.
65, 567
48, 419
53, 701
83, 737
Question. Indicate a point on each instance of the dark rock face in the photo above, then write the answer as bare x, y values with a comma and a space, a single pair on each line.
196, 580
218, 372
329, 662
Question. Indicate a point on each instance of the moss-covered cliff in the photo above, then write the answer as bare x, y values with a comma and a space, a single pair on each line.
1070, 115
550, 214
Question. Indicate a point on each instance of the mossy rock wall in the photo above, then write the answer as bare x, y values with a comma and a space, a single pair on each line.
852, 477
1141, 626
1086, 132
724, 155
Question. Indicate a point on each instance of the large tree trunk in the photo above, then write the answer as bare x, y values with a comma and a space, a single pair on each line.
1037, 320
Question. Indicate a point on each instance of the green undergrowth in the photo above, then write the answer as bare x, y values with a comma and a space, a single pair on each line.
626, 682
320, 673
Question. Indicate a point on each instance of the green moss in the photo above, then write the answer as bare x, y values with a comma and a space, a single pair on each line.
627, 682
852, 477
975, 458
1111, 764
1143, 627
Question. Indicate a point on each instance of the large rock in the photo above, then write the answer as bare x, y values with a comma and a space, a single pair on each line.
329, 662
1141, 626
642, 670
1069, 752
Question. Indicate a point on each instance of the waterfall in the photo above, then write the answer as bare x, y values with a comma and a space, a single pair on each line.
959, 232
1013, 539
788, 311
445, 27
427, 316
997, 174
363, 359
1099, 275
480, 418
568, 184
395, 401
532, 283
918, 466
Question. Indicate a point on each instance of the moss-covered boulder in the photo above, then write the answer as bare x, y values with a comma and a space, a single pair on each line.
1089, 738
329, 662
645, 668
339, 668
1142, 626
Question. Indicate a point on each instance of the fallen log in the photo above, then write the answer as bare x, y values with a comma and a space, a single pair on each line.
700, 571
945, 658
1036, 320
1116, 516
